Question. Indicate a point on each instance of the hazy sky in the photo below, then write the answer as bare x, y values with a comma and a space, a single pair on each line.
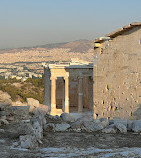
35, 22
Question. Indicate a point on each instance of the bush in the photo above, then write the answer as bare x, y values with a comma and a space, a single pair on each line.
32, 88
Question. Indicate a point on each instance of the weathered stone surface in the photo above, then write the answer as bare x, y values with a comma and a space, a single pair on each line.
4, 122
41, 119
67, 117
119, 121
2, 130
116, 76
24, 129
89, 124
19, 103
49, 127
122, 128
92, 126
41, 110
3, 117
109, 130
38, 130
2, 107
18, 112
28, 141
77, 125
33, 103
2, 113
129, 125
136, 126
87, 118
5, 99
104, 122
53, 119
61, 127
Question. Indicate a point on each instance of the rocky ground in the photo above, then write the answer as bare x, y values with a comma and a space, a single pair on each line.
30, 132
72, 144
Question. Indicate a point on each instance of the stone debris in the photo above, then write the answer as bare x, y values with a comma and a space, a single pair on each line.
32, 103
49, 127
122, 128
136, 126
31, 126
61, 127
109, 130
4, 122
67, 117
18, 112
28, 141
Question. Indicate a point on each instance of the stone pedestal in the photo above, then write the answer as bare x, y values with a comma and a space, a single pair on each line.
47, 88
80, 94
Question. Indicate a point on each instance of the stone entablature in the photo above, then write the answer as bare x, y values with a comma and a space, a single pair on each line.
68, 71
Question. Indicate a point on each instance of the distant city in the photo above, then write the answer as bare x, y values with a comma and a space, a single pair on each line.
22, 64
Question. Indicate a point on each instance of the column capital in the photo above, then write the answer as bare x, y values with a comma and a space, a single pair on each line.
66, 77
53, 78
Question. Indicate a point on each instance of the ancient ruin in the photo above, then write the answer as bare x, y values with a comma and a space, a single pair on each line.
68, 87
117, 73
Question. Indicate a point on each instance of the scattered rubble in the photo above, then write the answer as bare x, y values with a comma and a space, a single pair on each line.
29, 123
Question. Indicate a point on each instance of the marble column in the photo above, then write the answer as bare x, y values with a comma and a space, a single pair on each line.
47, 87
63, 95
53, 93
80, 94
66, 94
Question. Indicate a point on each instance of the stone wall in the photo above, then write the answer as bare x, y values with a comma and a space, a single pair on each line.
117, 77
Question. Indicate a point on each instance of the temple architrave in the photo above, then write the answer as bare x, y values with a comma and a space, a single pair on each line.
69, 87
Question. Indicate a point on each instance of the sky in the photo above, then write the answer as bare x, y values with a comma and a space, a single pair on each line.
26, 23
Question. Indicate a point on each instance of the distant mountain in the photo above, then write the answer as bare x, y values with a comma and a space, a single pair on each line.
50, 46
81, 46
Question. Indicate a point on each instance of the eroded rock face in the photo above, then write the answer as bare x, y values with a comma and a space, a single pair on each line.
61, 127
